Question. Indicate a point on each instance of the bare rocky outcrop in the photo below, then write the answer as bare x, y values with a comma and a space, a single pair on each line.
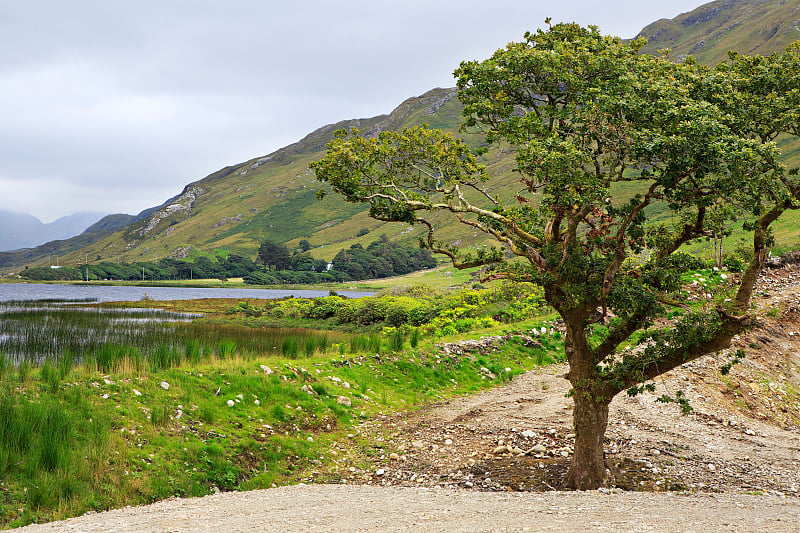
183, 204
226, 220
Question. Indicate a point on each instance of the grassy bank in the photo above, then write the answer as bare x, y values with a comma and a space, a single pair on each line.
82, 434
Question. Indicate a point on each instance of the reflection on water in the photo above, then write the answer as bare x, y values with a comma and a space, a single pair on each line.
101, 293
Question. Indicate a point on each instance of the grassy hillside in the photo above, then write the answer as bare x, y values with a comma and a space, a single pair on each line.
747, 26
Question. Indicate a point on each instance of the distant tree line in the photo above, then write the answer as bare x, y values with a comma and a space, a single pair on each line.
232, 266
274, 264
380, 259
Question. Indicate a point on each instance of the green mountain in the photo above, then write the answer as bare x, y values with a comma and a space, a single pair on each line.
707, 33
271, 197
274, 196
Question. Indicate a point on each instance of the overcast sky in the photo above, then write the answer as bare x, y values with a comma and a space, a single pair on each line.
115, 106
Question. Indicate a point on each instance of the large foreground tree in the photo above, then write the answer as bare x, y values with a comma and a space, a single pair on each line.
604, 140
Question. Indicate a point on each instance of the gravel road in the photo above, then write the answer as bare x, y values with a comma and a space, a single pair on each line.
342, 508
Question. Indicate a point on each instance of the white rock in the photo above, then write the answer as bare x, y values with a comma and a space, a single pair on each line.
231, 403
256, 402
344, 400
529, 433
345, 385
394, 457
711, 467
164, 385
418, 444
448, 442
379, 472
267, 370
539, 448
136, 392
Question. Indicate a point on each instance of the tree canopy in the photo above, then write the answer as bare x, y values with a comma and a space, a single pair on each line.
274, 256
586, 115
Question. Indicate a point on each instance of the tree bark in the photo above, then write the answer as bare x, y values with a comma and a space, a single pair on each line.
588, 469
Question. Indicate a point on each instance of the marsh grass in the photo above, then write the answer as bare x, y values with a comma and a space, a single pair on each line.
226, 349
290, 348
397, 341
120, 339
193, 351
414, 338
365, 343
6, 366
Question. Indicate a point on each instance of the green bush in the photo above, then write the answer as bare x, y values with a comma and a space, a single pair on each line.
734, 264
346, 312
325, 307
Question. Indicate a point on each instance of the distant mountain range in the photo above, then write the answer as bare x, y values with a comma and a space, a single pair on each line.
25, 231
274, 196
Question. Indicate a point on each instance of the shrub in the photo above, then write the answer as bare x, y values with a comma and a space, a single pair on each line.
734, 264
346, 312
325, 307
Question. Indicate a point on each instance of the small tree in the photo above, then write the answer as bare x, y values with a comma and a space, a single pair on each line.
602, 137
274, 256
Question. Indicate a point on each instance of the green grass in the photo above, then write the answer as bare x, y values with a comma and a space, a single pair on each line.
95, 435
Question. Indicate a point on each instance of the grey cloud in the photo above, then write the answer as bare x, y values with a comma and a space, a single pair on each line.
117, 105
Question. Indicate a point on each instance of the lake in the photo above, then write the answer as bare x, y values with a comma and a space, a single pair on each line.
106, 293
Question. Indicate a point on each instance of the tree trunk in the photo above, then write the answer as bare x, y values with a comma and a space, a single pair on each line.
588, 469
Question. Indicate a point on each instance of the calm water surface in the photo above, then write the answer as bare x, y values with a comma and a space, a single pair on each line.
33, 291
